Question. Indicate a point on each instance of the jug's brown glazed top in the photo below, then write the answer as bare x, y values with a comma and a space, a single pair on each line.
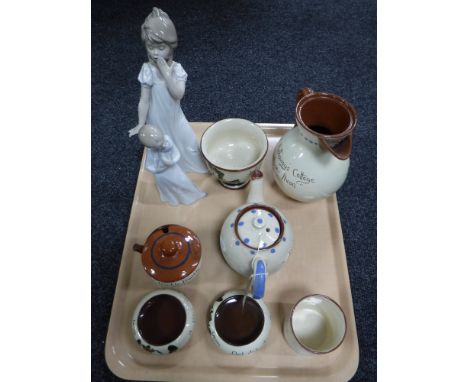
329, 117
171, 253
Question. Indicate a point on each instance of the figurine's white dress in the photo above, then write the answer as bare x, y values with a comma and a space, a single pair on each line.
165, 112
173, 184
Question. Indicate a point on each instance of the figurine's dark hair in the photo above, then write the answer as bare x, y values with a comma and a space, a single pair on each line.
147, 34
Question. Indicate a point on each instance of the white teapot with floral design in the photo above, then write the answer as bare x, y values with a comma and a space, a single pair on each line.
256, 238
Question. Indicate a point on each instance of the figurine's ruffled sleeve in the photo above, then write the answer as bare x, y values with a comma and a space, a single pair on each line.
180, 73
146, 76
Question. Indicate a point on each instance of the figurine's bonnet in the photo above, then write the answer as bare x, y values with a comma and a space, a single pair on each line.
160, 28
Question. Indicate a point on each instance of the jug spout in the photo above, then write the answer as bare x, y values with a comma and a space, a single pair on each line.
340, 148
256, 187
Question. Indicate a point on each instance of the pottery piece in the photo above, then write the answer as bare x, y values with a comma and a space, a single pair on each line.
171, 255
312, 160
163, 321
233, 148
162, 87
238, 323
315, 325
256, 238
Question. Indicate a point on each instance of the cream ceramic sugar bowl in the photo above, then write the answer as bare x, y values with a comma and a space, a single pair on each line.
256, 238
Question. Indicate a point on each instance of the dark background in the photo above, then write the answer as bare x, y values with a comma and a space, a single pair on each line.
244, 59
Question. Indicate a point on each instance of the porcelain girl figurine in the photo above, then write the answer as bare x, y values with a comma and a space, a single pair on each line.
162, 160
162, 87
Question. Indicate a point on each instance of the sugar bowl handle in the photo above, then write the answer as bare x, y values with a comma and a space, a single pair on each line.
138, 248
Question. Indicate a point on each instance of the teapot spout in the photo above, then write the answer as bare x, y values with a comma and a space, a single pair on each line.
256, 187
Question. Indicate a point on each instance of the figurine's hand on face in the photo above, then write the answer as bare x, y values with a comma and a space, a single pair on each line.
163, 67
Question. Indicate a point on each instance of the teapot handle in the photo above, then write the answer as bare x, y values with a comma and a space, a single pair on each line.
259, 279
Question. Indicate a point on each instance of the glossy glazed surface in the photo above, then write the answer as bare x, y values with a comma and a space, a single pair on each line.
238, 329
303, 170
256, 230
239, 320
312, 160
234, 144
233, 148
163, 321
316, 325
258, 227
171, 254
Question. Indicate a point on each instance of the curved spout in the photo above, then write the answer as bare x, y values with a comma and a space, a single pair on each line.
256, 188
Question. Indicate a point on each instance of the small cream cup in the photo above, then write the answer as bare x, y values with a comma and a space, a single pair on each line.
315, 325
232, 149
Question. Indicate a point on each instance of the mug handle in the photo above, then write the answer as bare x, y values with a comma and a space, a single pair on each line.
259, 279
302, 93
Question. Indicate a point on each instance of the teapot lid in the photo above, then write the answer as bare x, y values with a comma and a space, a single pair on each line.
171, 253
259, 226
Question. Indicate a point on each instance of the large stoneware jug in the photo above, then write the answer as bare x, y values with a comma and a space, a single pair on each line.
311, 161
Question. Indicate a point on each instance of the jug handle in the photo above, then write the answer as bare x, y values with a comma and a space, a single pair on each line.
342, 150
302, 93
259, 279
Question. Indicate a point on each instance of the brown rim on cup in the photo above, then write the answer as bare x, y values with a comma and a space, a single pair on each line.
300, 342
250, 166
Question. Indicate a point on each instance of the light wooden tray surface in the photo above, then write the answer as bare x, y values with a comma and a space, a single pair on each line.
317, 265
